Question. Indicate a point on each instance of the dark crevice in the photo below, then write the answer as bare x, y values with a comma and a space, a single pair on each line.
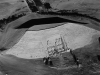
3, 49
43, 21
68, 13
98, 56
48, 10
99, 40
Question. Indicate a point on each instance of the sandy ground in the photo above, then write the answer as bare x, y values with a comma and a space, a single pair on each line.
33, 44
